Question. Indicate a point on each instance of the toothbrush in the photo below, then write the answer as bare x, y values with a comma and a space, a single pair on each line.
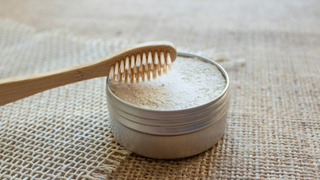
129, 65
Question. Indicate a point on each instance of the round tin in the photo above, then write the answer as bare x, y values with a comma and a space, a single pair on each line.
169, 134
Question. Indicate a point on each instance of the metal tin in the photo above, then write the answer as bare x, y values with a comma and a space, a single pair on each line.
169, 134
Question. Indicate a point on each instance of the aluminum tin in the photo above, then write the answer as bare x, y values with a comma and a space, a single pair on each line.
169, 134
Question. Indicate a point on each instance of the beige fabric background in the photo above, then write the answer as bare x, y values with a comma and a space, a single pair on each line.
273, 125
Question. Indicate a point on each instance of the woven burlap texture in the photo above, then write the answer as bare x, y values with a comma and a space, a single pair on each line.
62, 133
273, 125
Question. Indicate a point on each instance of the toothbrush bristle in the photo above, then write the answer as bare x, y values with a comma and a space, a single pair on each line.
142, 74
151, 66
144, 61
144, 58
111, 74
127, 64
132, 61
169, 62
154, 73
149, 75
124, 75
121, 66
164, 67
120, 80
135, 70
162, 59
139, 67
137, 77
156, 58
150, 57
116, 70
131, 78
126, 79
138, 60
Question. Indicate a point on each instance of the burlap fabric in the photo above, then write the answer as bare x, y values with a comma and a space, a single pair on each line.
62, 133
273, 126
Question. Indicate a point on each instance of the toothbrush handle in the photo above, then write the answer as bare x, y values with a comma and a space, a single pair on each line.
12, 89
16, 88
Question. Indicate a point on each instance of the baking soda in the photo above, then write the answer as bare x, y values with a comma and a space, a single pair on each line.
192, 82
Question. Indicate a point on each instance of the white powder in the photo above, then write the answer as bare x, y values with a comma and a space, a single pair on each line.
191, 82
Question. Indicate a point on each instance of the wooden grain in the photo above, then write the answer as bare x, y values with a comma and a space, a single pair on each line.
12, 89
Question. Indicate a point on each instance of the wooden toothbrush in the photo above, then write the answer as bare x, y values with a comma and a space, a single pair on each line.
129, 65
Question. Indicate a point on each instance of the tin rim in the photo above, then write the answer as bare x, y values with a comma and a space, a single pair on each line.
181, 54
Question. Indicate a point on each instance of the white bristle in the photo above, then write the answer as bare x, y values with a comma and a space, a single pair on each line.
138, 60
130, 69
151, 66
133, 65
148, 75
116, 70
144, 58
154, 73
146, 67
165, 69
138, 63
131, 78
124, 74
132, 61
162, 59
135, 70
122, 66
156, 58
111, 73
127, 64
169, 62
120, 80
144, 61
150, 57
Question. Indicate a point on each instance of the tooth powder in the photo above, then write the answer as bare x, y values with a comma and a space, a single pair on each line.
192, 82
